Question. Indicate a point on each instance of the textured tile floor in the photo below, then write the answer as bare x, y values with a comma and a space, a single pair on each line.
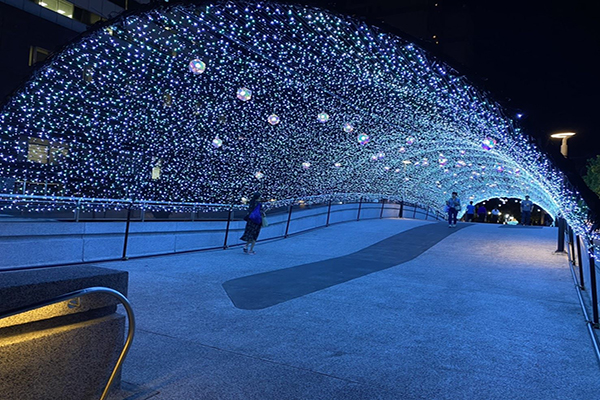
485, 313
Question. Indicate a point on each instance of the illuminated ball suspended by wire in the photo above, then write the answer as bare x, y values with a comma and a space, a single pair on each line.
244, 94
323, 117
273, 119
488, 143
197, 67
259, 175
410, 140
337, 165
363, 138
306, 165
348, 128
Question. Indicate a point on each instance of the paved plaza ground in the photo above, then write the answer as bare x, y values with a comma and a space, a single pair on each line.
377, 309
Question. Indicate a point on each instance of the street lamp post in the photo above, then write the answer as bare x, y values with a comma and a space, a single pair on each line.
564, 148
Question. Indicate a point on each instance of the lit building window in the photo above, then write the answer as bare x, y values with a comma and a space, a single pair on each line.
156, 170
60, 6
37, 54
43, 152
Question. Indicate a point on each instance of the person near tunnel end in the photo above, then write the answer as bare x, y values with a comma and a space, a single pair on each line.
526, 207
481, 213
470, 214
453, 204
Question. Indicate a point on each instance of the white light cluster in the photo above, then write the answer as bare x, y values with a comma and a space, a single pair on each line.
235, 96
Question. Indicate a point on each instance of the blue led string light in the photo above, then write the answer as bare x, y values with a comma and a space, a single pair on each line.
189, 103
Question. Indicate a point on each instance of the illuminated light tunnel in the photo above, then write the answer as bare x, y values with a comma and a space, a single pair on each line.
207, 103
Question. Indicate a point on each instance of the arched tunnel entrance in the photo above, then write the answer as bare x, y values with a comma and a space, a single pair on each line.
207, 103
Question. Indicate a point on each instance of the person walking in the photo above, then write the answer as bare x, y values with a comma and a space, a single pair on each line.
253, 224
470, 214
453, 204
526, 207
481, 213
495, 215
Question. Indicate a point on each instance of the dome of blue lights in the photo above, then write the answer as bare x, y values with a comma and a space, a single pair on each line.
206, 103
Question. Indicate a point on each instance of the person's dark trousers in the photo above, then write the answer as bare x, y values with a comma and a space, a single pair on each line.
469, 217
452, 216
494, 219
481, 217
526, 217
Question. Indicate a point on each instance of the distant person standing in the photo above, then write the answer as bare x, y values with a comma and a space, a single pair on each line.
453, 204
470, 214
481, 213
495, 215
526, 207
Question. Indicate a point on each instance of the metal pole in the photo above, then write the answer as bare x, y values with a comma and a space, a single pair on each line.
571, 244
227, 228
401, 213
426, 213
328, 213
579, 263
414, 211
127, 232
143, 216
77, 210
382, 207
287, 227
359, 207
593, 285
561, 235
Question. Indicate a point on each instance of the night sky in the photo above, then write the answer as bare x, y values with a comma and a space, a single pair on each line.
542, 59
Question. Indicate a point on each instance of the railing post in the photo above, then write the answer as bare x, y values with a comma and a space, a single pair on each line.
593, 285
414, 211
561, 235
287, 227
579, 263
382, 207
571, 244
227, 228
77, 210
426, 213
328, 213
143, 216
127, 232
359, 207
401, 213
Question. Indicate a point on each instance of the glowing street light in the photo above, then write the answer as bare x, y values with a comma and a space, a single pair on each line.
564, 136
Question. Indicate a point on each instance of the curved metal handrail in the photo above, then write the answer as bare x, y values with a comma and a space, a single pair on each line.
84, 292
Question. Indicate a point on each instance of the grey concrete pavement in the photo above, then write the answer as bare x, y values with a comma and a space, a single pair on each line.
488, 312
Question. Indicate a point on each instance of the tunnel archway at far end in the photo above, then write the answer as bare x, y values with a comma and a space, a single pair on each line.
206, 103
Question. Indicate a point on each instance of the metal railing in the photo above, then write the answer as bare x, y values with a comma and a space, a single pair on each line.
84, 292
575, 245
92, 209
129, 211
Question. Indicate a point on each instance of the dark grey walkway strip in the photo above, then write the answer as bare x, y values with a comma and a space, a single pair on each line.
255, 292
